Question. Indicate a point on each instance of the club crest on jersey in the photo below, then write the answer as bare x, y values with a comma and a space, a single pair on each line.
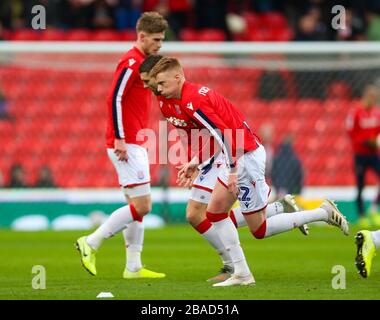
203, 91
131, 62
140, 175
190, 106
177, 122
161, 103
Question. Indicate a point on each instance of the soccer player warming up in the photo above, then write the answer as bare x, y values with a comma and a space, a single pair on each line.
204, 179
243, 175
367, 242
128, 112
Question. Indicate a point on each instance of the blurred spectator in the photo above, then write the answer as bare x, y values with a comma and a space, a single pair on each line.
287, 171
211, 14
77, 14
267, 5
127, 13
45, 178
373, 31
177, 13
17, 177
354, 28
103, 15
310, 27
14, 13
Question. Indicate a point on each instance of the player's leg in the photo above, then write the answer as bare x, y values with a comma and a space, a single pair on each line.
374, 210
360, 169
367, 243
140, 198
201, 191
282, 205
217, 212
254, 197
134, 238
263, 228
132, 174
134, 177
196, 216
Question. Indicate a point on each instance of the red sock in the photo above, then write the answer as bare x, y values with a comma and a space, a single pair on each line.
233, 218
134, 213
203, 226
260, 232
215, 217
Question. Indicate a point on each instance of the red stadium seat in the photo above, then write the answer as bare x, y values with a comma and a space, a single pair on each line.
26, 35
128, 35
188, 35
211, 35
252, 19
53, 35
106, 35
79, 35
273, 20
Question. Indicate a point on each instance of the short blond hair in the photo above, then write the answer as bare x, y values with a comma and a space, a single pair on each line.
165, 64
151, 22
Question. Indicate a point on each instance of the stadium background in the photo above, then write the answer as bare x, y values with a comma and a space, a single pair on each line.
265, 56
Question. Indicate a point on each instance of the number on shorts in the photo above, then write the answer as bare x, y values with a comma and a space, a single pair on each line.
245, 194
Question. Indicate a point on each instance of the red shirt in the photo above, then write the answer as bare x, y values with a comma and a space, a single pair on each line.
128, 101
221, 118
171, 110
363, 125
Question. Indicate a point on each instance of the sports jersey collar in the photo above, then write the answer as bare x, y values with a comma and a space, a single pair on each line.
139, 52
185, 85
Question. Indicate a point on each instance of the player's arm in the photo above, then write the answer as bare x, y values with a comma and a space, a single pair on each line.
123, 81
205, 116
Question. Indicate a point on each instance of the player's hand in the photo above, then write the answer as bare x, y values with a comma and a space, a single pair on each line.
186, 174
232, 184
120, 150
186, 181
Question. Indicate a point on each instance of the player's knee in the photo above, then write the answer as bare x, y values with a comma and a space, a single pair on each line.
195, 214
143, 208
259, 233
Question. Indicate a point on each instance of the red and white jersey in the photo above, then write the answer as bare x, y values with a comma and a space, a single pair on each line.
221, 118
171, 110
363, 125
128, 101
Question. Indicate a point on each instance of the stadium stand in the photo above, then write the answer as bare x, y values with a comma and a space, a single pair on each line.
59, 121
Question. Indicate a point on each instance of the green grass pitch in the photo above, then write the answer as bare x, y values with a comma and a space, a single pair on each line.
287, 266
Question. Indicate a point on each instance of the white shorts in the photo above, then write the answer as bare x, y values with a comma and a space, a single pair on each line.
254, 191
204, 183
133, 174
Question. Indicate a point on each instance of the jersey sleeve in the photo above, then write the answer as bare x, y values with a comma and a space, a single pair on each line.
200, 110
123, 81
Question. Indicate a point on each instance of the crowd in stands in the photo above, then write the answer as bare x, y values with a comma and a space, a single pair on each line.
252, 20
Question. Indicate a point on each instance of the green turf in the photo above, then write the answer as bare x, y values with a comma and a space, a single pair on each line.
288, 266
